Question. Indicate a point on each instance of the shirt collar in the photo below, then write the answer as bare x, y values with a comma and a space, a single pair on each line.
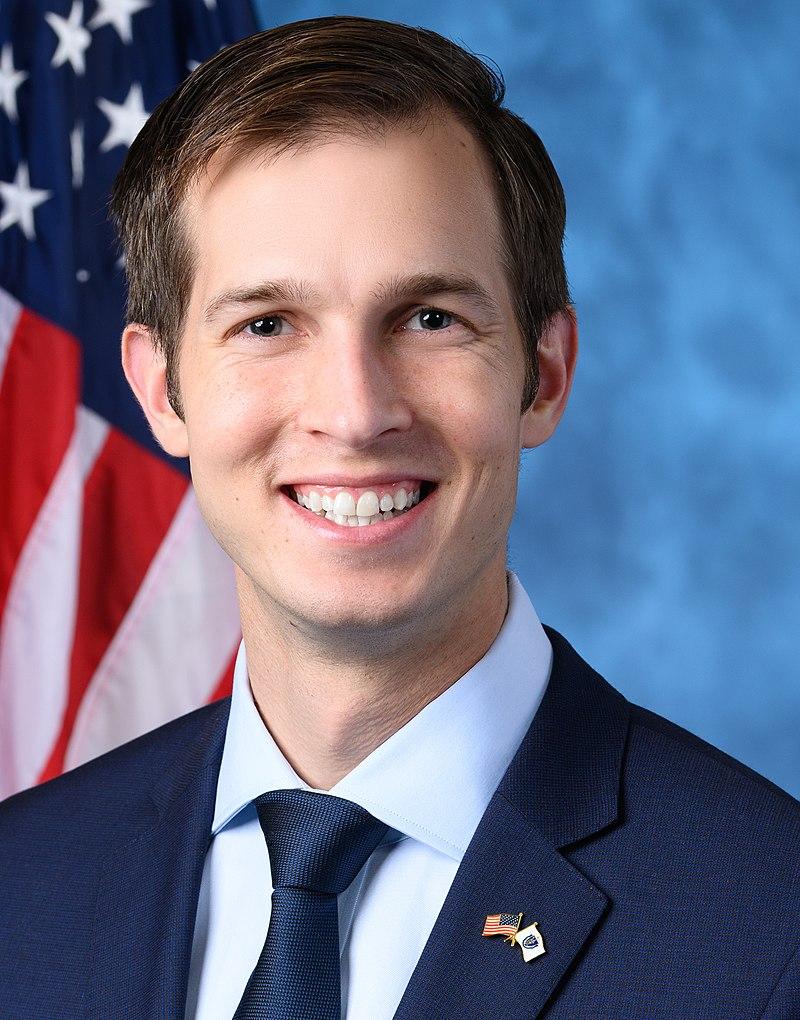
433, 778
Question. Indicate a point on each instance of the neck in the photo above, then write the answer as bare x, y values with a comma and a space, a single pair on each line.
327, 706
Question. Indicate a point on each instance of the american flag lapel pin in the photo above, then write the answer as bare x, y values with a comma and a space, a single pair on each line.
503, 924
529, 939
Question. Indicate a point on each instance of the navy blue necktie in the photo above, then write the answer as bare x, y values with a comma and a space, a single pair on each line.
317, 845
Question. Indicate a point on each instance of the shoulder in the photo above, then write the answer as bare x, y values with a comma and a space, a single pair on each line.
668, 765
58, 841
687, 814
716, 829
94, 802
700, 835
664, 768
701, 867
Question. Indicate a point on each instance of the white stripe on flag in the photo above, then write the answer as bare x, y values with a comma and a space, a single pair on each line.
10, 311
38, 624
172, 647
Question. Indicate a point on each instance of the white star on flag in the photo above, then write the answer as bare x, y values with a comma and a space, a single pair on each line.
72, 37
10, 81
118, 13
126, 119
76, 154
19, 200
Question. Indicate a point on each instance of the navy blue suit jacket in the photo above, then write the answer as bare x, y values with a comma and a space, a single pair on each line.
663, 874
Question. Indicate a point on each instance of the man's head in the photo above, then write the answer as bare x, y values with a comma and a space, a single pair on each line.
341, 316
307, 80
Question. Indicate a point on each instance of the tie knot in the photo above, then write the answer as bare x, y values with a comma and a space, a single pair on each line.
315, 840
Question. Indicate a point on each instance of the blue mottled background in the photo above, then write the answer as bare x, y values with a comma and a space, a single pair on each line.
658, 530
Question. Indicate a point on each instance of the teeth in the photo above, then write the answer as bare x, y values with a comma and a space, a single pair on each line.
369, 509
344, 505
367, 505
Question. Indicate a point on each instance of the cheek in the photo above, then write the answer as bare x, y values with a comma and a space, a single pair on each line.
485, 429
458, 385
487, 457
231, 424
476, 415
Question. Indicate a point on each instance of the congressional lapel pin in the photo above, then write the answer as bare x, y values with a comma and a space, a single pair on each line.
529, 939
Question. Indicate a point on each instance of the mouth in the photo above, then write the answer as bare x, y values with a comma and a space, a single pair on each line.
360, 506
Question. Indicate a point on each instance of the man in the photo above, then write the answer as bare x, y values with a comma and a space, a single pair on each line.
348, 308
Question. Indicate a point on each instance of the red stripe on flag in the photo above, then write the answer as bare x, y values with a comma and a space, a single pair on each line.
38, 398
130, 499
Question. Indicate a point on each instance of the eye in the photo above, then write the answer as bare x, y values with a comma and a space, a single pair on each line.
432, 319
265, 326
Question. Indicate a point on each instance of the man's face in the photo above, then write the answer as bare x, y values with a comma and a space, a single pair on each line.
356, 375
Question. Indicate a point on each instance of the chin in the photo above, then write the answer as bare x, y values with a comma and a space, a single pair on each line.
360, 617
352, 617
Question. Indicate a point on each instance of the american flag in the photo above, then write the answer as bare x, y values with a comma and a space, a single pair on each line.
502, 924
117, 608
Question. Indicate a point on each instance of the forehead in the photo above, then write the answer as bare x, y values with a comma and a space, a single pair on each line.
348, 210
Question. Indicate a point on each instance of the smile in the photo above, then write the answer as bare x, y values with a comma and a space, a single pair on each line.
351, 507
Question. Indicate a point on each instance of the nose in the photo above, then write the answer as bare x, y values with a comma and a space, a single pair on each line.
354, 392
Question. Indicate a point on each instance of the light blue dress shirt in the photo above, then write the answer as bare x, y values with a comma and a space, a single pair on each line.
431, 782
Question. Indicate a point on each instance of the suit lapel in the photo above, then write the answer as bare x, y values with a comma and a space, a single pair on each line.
561, 787
509, 868
149, 888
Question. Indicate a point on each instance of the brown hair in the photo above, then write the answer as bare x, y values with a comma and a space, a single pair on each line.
298, 82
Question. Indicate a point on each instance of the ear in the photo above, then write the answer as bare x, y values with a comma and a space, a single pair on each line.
558, 354
146, 371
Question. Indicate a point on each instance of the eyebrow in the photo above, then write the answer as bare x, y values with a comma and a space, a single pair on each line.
395, 289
